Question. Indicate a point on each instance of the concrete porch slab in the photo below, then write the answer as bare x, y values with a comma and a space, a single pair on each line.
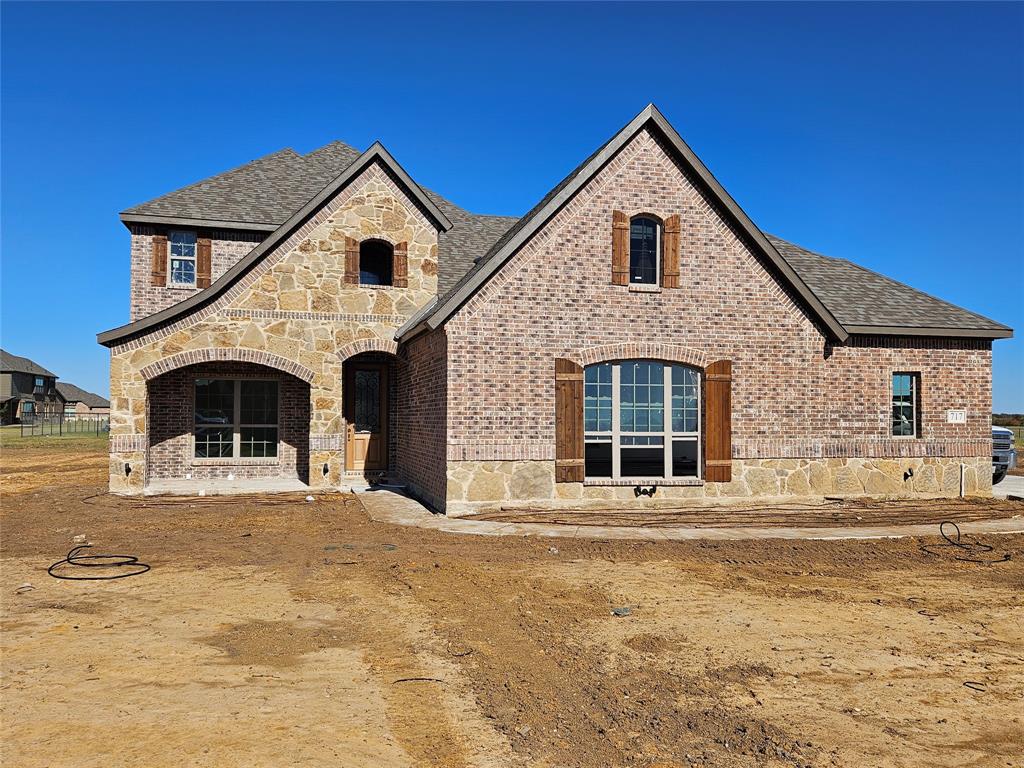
223, 487
388, 507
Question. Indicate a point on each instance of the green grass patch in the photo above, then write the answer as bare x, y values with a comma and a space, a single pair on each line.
11, 439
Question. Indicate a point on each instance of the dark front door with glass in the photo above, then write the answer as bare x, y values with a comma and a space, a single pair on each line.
366, 412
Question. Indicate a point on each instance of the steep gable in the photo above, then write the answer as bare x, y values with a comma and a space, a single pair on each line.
649, 119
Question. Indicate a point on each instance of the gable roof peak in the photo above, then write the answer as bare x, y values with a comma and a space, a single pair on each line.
565, 190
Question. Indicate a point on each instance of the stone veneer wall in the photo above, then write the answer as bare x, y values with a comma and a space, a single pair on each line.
292, 312
795, 395
226, 248
480, 486
172, 399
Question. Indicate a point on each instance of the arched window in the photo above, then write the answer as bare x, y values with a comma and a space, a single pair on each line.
644, 250
641, 419
375, 262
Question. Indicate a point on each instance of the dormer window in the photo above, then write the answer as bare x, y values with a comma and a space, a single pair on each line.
182, 258
376, 258
644, 250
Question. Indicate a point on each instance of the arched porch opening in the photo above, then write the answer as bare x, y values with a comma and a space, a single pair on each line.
224, 425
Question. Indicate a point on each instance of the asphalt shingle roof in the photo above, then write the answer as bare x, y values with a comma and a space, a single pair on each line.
269, 190
860, 297
73, 394
9, 362
264, 192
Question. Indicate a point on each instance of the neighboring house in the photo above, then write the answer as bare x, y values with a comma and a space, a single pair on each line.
320, 318
78, 402
26, 389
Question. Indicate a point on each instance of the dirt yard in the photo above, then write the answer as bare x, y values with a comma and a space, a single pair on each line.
276, 632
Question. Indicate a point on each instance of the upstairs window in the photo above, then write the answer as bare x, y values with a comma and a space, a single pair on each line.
644, 250
39, 386
905, 405
182, 258
376, 258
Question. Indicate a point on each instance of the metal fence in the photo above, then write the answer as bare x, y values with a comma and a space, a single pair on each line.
60, 424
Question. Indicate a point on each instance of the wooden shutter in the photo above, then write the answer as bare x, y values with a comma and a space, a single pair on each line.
204, 261
400, 270
159, 260
718, 422
568, 421
351, 261
670, 253
620, 248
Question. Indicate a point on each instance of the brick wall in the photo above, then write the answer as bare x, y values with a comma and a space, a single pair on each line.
793, 393
422, 395
170, 406
227, 247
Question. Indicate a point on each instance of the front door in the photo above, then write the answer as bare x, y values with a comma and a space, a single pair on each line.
366, 411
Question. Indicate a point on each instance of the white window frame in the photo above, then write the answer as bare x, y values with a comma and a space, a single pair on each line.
915, 381
171, 258
667, 434
236, 424
657, 248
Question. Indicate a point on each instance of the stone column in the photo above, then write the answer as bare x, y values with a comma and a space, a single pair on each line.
128, 439
326, 428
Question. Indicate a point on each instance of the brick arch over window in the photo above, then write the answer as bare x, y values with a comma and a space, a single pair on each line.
359, 346
671, 353
257, 356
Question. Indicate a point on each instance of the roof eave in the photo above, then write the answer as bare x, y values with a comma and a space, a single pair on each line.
184, 221
1001, 332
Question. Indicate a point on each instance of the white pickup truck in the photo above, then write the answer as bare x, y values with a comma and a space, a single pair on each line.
1004, 456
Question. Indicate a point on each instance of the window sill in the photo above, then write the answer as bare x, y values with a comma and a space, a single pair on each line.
232, 462
644, 288
593, 482
180, 287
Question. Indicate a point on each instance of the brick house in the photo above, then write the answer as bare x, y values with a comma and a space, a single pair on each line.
79, 402
27, 390
312, 320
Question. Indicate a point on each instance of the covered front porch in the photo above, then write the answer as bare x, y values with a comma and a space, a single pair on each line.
229, 426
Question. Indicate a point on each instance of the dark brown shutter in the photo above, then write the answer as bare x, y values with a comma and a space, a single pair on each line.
400, 275
670, 253
351, 261
568, 421
159, 260
718, 422
620, 248
204, 261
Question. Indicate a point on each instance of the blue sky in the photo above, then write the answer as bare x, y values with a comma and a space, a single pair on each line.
888, 134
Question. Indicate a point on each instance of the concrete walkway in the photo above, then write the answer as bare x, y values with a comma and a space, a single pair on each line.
1012, 485
390, 507
223, 487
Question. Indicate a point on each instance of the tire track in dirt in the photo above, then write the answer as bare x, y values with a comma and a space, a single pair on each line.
549, 692
429, 708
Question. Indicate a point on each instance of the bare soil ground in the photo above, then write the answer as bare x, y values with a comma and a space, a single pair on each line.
275, 632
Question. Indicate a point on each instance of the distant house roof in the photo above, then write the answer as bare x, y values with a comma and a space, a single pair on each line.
273, 190
12, 363
73, 394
